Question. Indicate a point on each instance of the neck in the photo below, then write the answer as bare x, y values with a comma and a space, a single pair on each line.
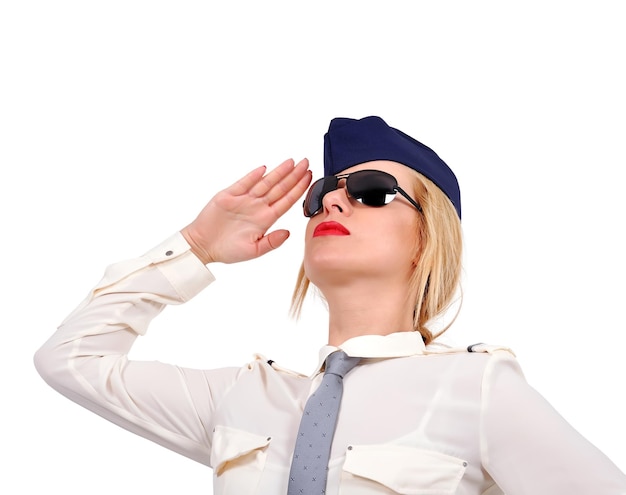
356, 310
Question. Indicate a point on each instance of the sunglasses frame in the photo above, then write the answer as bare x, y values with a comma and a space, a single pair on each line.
396, 189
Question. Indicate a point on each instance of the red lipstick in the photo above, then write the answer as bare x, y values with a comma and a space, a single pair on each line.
330, 228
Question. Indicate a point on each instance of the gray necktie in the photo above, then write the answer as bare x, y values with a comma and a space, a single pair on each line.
309, 466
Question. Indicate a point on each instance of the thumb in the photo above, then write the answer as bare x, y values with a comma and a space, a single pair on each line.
272, 241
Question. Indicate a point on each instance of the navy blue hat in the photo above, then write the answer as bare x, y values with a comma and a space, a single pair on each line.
350, 142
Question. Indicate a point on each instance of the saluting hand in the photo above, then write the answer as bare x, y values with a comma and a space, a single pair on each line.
232, 226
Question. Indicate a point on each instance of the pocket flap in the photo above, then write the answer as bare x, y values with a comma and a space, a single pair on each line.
230, 444
406, 470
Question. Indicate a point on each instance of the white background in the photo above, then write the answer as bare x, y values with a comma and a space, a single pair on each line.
120, 119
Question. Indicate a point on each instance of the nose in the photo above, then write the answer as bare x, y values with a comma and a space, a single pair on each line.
337, 200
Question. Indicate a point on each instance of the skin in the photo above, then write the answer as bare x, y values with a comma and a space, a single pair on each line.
363, 276
233, 226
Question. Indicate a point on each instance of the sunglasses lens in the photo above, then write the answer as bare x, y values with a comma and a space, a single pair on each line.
313, 201
372, 187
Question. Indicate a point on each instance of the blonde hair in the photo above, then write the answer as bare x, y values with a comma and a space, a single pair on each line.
437, 264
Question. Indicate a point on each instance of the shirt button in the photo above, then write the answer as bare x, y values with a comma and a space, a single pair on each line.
465, 464
269, 438
169, 253
349, 447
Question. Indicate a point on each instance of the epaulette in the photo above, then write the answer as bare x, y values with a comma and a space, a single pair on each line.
439, 348
480, 347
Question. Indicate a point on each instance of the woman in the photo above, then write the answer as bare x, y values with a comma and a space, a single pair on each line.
383, 246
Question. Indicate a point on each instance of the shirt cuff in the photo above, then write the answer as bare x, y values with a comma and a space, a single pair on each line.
174, 260
184, 270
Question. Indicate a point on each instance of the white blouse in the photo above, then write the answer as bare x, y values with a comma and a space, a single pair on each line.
413, 420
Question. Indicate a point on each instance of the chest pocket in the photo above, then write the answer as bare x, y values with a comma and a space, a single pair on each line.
238, 458
396, 469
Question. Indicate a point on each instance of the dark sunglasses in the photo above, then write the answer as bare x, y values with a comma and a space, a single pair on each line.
369, 187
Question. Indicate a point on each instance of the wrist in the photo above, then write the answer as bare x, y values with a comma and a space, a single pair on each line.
200, 253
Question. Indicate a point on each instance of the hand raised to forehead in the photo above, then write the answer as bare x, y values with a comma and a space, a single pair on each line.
233, 225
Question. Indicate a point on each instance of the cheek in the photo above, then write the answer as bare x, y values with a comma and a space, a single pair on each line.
400, 243
399, 246
399, 232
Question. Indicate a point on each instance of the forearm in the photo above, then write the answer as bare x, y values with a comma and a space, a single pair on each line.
86, 358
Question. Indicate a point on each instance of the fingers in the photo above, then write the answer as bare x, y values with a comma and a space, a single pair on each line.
272, 241
291, 194
271, 179
243, 185
288, 182
279, 189
274, 185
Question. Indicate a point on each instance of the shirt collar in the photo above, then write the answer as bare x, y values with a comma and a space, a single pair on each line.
399, 344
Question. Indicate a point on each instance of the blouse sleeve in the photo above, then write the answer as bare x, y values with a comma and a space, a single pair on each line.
529, 449
86, 358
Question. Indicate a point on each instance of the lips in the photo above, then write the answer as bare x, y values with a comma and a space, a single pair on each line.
330, 228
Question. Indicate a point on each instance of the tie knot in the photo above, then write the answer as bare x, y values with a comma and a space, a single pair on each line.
339, 363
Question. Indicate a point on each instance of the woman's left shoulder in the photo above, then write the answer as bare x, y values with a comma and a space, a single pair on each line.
478, 361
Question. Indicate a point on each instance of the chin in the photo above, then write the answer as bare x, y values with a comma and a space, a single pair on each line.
328, 266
